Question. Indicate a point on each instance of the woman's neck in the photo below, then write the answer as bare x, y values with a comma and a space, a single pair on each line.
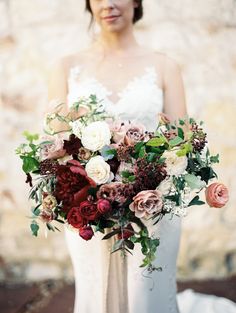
116, 43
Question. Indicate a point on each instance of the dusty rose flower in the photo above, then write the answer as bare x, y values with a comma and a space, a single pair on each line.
84, 154
54, 148
49, 202
75, 219
112, 192
146, 203
86, 232
103, 206
217, 195
134, 134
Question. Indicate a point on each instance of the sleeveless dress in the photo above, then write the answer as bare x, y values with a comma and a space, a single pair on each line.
109, 283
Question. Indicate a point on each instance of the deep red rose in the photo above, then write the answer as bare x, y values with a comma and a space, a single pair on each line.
128, 232
75, 219
86, 232
72, 145
72, 184
103, 206
88, 210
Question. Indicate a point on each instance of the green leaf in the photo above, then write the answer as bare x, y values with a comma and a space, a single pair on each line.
194, 182
214, 158
142, 152
155, 142
181, 122
117, 245
185, 149
131, 178
175, 141
30, 137
34, 228
196, 201
180, 133
30, 164
138, 146
50, 227
129, 244
109, 235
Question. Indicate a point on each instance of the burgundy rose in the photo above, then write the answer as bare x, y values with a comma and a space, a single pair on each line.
86, 232
75, 219
128, 231
72, 145
72, 184
88, 210
103, 206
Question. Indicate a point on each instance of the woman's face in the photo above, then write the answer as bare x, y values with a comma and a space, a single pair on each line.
113, 15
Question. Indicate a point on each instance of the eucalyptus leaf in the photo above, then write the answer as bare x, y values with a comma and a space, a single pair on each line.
194, 182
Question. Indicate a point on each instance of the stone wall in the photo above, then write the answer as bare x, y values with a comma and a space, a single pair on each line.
200, 35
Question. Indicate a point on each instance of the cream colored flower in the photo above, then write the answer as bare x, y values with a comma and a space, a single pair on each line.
175, 165
98, 170
77, 128
165, 186
96, 135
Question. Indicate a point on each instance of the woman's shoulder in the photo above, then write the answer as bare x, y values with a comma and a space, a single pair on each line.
67, 62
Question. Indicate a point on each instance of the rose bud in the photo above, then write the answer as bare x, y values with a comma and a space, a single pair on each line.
127, 232
103, 206
86, 232
46, 216
217, 195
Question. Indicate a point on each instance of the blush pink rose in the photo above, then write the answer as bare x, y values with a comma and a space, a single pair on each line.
53, 147
118, 130
217, 195
146, 203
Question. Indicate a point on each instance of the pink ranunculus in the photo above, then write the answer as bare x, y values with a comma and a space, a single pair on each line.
52, 147
86, 232
217, 195
103, 206
146, 203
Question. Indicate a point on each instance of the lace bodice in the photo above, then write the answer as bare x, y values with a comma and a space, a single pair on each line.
139, 101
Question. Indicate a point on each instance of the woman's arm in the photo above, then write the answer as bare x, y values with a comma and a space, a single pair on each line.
174, 94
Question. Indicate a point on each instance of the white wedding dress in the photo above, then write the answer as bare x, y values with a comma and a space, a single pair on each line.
108, 283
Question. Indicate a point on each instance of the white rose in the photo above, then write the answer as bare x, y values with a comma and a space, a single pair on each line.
175, 165
98, 170
165, 186
96, 135
77, 128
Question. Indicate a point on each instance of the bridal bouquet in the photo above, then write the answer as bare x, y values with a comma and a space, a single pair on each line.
103, 174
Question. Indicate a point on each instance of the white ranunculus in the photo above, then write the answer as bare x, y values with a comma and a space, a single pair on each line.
175, 165
96, 135
77, 128
98, 170
165, 186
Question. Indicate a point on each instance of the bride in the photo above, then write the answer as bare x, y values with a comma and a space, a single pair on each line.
135, 83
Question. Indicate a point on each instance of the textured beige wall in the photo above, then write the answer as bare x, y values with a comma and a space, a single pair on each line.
200, 35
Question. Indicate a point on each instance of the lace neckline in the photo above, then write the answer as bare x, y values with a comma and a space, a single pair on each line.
149, 78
